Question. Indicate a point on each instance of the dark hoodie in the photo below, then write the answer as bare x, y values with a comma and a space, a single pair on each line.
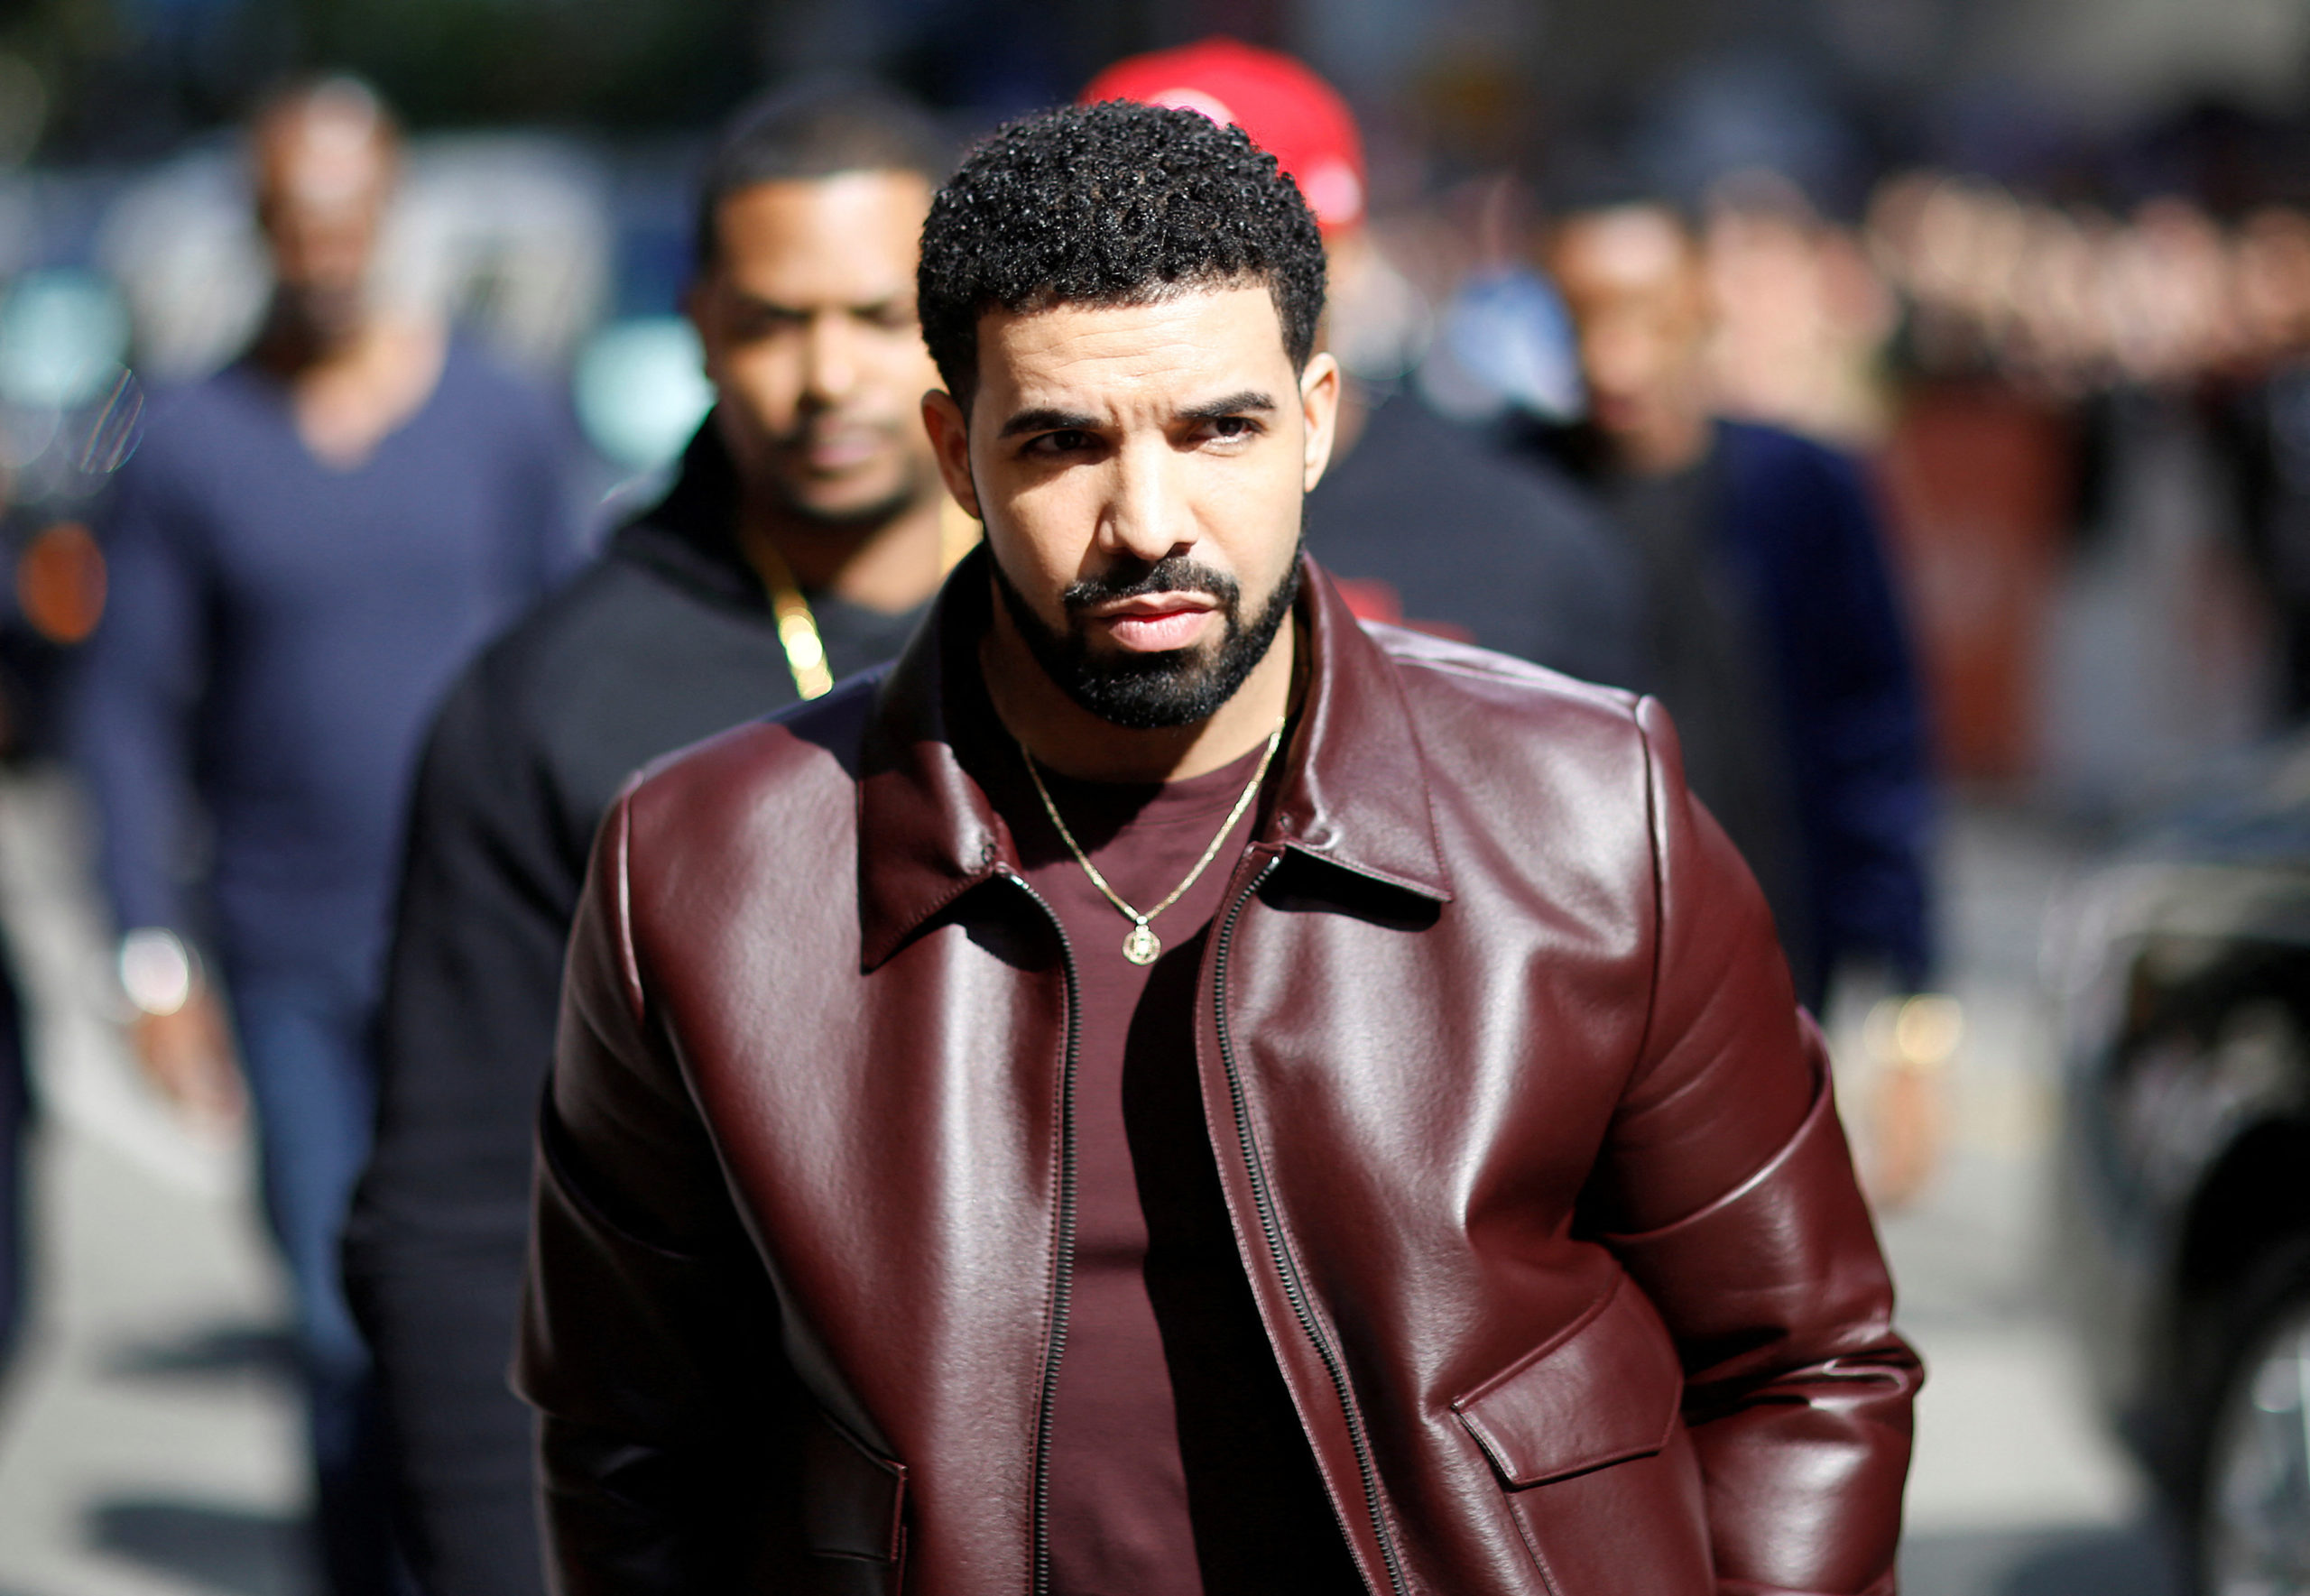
664, 639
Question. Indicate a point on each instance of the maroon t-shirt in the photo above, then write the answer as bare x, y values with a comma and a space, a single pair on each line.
1178, 1466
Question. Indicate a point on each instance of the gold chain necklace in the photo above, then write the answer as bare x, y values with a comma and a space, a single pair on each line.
1140, 946
798, 628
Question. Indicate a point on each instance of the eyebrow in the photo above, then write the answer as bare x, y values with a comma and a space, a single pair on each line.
1046, 420
882, 306
1233, 404
1058, 420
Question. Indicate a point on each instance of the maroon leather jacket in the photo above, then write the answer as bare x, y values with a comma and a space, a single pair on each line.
1528, 1151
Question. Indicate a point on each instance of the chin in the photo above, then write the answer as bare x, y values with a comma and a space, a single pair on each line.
852, 503
1188, 664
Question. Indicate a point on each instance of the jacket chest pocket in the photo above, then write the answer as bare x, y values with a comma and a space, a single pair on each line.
1586, 1438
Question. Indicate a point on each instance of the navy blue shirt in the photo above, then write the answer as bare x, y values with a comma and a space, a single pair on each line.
277, 634
1798, 527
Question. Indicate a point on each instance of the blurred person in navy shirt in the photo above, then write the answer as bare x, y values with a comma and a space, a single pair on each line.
1777, 639
304, 550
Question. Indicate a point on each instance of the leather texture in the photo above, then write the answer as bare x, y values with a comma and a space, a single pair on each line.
1528, 1147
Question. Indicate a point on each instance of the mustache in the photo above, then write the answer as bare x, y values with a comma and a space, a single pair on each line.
1136, 580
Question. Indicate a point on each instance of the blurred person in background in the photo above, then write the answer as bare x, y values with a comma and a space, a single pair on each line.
799, 543
1802, 318
1421, 521
52, 604
18, 716
1776, 632
15, 1133
305, 549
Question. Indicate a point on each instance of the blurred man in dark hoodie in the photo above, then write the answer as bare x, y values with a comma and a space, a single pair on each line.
803, 535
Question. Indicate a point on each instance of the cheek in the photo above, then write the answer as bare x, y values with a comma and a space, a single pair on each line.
1042, 519
1250, 519
901, 357
763, 377
1045, 528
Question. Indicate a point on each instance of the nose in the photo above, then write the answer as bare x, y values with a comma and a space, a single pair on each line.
829, 359
1146, 515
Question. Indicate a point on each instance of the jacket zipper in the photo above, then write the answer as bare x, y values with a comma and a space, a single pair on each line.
1063, 1287
1294, 1289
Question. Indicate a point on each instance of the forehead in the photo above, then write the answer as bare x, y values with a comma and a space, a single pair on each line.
851, 236
314, 153
1634, 246
1112, 359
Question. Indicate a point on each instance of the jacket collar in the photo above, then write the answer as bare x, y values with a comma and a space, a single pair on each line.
1352, 794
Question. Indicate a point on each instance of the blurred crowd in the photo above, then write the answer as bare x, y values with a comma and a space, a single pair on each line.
2068, 300
1993, 488
565, 257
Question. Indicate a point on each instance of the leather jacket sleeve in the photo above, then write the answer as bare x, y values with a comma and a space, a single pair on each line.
649, 1331
1726, 1190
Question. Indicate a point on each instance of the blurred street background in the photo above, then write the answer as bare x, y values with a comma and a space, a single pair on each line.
2043, 264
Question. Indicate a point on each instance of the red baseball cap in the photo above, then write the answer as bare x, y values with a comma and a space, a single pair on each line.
1289, 112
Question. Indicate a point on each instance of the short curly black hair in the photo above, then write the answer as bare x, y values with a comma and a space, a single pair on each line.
1113, 204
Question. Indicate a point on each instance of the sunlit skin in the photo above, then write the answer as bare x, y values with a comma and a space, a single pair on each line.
1633, 278
1106, 437
326, 165
325, 174
806, 319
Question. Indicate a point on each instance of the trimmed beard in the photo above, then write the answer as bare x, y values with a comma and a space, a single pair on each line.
1153, 692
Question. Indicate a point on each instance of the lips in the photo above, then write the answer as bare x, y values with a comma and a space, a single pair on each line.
835, 449
1157, 623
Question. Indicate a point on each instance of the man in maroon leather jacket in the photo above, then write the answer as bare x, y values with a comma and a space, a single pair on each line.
1438, 1193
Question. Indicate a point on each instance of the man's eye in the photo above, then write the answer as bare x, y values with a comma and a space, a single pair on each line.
1067, 440
1233, 426
767, 324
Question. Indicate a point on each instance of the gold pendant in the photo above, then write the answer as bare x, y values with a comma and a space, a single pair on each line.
1141, 947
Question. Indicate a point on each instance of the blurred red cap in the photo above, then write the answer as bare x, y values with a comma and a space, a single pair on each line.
1289, 112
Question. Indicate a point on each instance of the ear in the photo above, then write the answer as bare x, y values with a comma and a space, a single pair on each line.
951, 442
1320, 415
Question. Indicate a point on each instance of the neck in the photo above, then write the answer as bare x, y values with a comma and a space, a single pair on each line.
296, 351
1066, 737
350, 388
891, 565
1672, 444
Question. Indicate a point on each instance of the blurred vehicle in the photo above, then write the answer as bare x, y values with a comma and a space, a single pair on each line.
2184, 1209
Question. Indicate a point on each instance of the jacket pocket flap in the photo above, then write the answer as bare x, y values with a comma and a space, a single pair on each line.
1606, 1390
